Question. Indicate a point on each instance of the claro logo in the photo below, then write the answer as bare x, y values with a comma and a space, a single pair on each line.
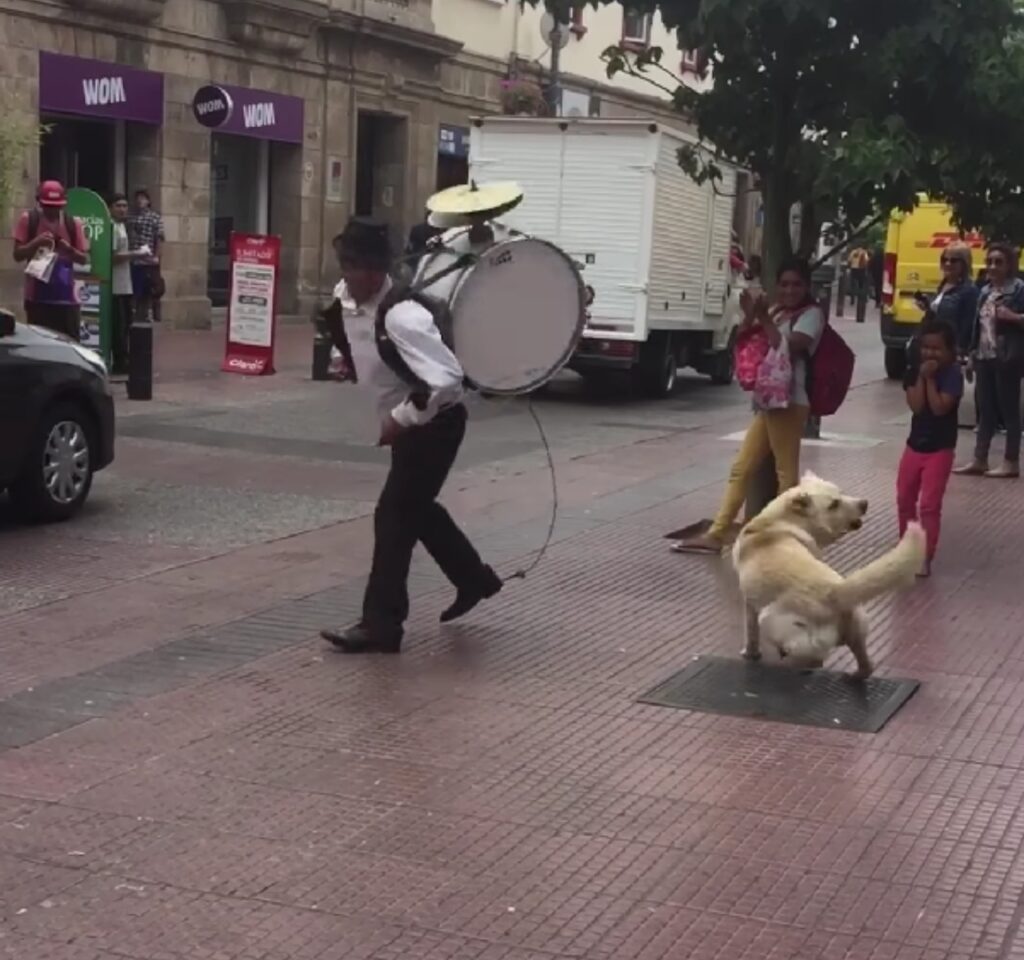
240, 363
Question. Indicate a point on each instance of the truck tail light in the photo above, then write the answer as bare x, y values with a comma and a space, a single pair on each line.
889, 279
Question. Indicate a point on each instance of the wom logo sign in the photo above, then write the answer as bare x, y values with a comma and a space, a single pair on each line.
103, 91
258, 115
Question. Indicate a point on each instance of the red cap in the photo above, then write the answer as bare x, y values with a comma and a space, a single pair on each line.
51, 193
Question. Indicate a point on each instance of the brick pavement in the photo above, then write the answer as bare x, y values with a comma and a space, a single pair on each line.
194, 777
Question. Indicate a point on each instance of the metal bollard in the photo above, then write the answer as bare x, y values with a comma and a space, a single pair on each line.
140, 361
841, 294
321, 353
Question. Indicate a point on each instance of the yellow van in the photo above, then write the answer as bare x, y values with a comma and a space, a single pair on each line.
913, 246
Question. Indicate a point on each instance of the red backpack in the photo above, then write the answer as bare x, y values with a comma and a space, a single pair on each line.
829, 373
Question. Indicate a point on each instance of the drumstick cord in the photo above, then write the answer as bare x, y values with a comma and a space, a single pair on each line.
522, 573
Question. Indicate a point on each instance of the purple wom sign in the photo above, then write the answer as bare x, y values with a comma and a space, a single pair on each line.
97, 88
249, 113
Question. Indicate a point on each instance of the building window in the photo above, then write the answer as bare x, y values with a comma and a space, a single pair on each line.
636, 29
691, 62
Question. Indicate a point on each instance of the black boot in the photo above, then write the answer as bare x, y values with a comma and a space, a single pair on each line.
360, 639
489, 585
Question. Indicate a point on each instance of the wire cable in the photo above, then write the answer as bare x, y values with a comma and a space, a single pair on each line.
524, 572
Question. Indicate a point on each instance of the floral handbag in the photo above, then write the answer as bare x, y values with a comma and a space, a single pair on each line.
773, 389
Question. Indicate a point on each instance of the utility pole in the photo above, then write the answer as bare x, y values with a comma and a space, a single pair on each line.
555, 80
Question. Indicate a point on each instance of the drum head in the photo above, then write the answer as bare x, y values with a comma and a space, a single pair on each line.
517, 316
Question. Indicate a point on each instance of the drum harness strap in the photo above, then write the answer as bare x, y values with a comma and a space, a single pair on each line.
419, 394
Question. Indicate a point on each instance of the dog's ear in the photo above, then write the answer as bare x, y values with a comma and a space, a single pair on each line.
801, 504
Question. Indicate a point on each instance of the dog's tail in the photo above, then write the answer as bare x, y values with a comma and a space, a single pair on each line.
892, 571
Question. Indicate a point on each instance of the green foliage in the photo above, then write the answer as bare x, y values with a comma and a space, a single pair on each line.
17, 135
851, 108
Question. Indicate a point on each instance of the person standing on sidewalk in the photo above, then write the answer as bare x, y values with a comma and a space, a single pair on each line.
997, 360
797, 319
934, 387
858, 264
123, 300
48, 226
146, 234
424, 430
956, 301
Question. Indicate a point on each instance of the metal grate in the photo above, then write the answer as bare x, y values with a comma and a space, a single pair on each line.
810, 698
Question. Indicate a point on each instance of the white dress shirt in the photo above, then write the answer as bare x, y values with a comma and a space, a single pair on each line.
412, 330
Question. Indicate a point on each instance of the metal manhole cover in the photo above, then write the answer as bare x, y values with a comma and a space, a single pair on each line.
817, 698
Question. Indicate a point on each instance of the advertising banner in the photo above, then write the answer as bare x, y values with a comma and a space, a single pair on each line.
244, 112
252, 304
92, 280
98, 88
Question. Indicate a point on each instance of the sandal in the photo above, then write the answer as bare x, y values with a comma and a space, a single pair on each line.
704, 546
973, 469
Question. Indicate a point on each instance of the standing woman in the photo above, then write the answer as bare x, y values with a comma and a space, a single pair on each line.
956, 301
997, 358
798, 319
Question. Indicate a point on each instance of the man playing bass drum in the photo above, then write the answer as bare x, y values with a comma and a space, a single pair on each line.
398, 352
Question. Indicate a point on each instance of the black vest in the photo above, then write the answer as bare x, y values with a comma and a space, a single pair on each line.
390, 355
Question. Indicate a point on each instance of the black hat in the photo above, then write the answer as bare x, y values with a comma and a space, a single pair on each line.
366, 243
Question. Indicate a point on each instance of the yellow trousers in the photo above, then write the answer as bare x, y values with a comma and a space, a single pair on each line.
775, 432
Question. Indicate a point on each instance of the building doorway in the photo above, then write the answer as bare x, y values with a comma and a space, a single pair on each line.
84, 153
381, 150
240, 203
452, 156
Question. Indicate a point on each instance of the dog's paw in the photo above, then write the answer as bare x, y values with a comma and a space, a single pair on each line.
859, 676
752, 655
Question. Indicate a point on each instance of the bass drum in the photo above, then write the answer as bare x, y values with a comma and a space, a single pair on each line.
518, 313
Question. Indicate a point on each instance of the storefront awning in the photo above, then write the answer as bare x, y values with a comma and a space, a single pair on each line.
249, 113
100, 89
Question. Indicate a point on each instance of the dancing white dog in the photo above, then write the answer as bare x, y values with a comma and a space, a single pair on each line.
796, 602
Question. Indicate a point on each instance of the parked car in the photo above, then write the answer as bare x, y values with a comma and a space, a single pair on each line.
56, 420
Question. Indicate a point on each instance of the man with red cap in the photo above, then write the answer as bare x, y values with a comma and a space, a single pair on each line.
49, 228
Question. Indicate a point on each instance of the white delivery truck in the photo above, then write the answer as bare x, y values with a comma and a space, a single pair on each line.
652, 244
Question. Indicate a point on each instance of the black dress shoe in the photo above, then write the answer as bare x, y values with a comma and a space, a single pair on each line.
360, 639
490, 585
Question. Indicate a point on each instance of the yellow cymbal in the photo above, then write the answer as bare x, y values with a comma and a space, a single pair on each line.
475, 198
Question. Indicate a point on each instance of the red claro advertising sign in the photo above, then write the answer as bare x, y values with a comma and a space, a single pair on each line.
252, 304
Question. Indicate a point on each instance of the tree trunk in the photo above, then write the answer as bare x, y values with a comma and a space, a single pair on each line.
777, 242
810, 231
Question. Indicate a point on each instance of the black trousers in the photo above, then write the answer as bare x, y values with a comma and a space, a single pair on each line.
408, 513
997, 395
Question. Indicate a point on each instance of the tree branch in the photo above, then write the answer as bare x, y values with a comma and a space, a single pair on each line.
848, 239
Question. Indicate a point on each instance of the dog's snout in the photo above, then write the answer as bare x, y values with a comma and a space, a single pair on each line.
863, 506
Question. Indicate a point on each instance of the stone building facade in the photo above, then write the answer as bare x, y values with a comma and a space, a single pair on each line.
333, 106
279, 116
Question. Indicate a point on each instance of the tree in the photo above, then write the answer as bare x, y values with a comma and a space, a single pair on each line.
849, 109
17, 136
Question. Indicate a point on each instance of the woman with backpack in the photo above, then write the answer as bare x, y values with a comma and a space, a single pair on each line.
791, 331
51, 239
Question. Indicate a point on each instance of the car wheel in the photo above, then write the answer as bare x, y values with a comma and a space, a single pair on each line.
58, 471
659, 367
895, 362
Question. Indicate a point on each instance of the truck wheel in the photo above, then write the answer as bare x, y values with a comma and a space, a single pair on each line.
722, 368
58, 470
895, 362
658, 368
